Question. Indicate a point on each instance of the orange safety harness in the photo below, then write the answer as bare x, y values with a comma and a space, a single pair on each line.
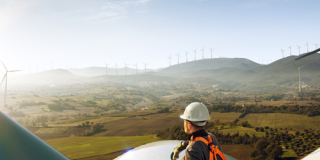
214, 150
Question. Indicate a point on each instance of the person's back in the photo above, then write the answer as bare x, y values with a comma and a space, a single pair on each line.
198, 150
200, 144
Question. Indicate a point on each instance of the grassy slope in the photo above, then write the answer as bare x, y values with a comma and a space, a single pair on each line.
80, 147
282, 120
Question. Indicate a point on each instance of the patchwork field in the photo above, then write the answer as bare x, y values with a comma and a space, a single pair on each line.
81, 147
282, 120
138, 126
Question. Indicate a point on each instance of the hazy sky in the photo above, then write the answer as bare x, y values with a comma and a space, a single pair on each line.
90, 33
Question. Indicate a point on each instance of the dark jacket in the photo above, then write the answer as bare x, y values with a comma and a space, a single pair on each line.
197, 150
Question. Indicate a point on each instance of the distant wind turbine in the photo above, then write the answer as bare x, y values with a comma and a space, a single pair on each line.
178, 56
202, 50
6, 77
187, 56
29, 69
299, 49
51, 65
299, 76
282, 52
145, 68
169, 60
195, 54
37, 68
290, 50
116, 69
316, 46
136, 67
106, 68
44, 66
211, 52
307, 47
125, 64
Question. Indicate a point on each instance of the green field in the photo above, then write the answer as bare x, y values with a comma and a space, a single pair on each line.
80, 147
283, 120
59, 130
242, 131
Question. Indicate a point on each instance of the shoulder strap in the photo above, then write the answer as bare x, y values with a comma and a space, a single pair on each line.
214, 150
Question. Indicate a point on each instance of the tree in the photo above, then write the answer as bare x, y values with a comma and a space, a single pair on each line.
87, 122
257, 129
297, 133
276, 152
266, 127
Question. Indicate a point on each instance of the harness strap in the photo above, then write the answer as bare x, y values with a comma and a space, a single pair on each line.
214, 150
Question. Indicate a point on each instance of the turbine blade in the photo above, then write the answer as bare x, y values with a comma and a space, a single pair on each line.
295, 65
302, 67
308, 54
3, 79
14, 70
4, 66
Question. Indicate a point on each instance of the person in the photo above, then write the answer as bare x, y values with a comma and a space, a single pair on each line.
195, 118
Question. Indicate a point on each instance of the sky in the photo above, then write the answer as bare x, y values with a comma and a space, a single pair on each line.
82, 33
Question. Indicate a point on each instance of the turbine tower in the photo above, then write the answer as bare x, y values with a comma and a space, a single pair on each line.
211, 52
169, 60
6, 77
145, 68
187, 56
195, 54
299, 76
202, 50
136, 67
125, 64
106, 68
282, 52
178, 56
299, 49
316, 46
116, 68
290, 50
307, 47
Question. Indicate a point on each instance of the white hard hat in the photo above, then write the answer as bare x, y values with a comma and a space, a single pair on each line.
197, 113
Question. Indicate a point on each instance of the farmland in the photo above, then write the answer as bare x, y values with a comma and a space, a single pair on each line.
282, 120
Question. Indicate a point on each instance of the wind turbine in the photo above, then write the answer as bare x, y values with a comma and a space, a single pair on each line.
299, 49
316, 46
282, 52
116, 69
299, 76
169, 60
136, 67
307, 47
6, 77
187, 56
178, 56
106, 68
125, 65
202, 50
290, 50
145, 68
195, 54
211, 52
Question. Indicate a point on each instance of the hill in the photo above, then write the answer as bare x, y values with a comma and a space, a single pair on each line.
99, 71
216, 63
56, 76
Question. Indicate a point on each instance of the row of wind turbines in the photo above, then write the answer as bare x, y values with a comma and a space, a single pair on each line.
195, 55
125, 66
299, 47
